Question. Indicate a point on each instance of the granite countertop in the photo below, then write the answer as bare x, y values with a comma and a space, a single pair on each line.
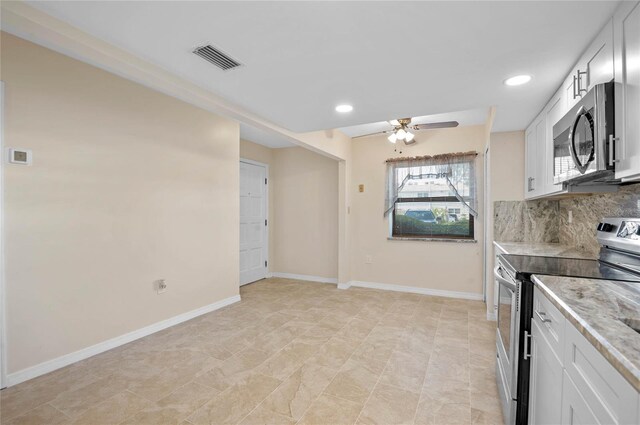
594, 307
541, 249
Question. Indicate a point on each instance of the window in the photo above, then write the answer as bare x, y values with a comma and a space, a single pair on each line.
432, 197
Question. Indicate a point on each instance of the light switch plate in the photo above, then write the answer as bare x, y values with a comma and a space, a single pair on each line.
20, 156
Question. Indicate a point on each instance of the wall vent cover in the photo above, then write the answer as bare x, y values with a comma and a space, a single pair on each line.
216, 57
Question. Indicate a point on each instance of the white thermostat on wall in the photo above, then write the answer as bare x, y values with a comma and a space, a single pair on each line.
19, 156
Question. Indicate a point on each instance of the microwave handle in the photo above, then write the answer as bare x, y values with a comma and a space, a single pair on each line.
612, 146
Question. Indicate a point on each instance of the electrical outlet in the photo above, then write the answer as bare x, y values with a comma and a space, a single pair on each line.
161, 286
570, 218
368, 260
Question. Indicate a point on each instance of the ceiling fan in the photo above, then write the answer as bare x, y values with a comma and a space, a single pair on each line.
402, 129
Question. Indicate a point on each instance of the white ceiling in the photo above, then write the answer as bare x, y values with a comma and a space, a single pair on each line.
269, 139
464, 118
388, 59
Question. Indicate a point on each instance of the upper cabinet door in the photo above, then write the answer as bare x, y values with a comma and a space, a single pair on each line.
540, 183
554, 111
569, 87
627, 90
596, 65
530, 161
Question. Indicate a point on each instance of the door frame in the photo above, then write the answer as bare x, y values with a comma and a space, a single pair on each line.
3, 309
266, 212
486, 197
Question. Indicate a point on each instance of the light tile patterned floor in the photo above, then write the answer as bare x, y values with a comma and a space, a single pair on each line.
290, 352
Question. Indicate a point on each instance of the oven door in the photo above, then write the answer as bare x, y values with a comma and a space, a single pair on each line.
507, 341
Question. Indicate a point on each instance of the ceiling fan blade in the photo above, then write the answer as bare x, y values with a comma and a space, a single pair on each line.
372, 134
434, 125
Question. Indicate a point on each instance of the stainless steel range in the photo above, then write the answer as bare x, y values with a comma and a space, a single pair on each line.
619, 260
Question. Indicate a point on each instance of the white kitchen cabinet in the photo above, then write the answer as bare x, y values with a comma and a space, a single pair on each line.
575, 410
595, 66
554, 111
531, 161
569, 88
626, 24
545, 391
571, 382
597, 61
539, 150
612, 400
534, 166
540, 183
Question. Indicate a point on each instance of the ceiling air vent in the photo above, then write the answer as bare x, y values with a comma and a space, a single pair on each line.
216, 57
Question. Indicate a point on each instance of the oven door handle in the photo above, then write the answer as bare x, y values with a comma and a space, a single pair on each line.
502, 280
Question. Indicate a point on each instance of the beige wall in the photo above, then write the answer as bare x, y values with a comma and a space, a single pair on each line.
507, 166
306, 213
446, 266
127, 186
303, 209
506, 180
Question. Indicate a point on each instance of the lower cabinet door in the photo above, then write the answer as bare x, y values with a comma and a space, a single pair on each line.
574, 409
545, 386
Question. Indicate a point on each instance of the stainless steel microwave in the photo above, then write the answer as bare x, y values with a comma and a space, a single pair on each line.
584, 139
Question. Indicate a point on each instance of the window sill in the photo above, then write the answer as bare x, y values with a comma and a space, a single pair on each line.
399, 238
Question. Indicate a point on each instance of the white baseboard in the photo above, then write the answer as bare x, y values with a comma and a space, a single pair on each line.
67, 359
310, 278
413, 290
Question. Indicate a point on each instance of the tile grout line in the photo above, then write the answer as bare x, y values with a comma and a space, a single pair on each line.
427, 371
284, 380
415, 414
323, 303
334, 377
260, 364
378, 380
469, 360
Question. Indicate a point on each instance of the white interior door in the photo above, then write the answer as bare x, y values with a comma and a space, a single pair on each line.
253, 222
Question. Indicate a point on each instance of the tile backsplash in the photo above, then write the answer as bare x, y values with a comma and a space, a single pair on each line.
548, 221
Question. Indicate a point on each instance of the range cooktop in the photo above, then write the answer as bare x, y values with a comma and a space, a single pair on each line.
571, 267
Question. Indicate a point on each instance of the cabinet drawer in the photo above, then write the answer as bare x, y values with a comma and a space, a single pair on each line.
550, 321
611, 398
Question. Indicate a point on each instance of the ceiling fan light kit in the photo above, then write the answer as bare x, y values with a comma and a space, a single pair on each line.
402, 130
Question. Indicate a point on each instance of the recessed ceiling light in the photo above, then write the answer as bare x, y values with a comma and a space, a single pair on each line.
344, 108
517, 80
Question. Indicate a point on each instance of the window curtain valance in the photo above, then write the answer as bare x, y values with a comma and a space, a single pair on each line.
457, 169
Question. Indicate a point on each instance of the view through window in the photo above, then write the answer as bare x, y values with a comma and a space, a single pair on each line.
427, 205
